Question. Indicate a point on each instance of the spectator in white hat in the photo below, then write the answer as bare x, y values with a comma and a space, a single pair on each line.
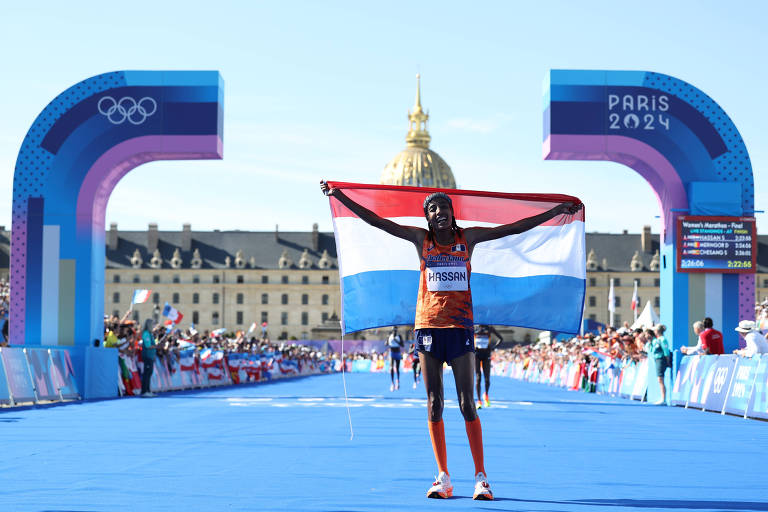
756, 343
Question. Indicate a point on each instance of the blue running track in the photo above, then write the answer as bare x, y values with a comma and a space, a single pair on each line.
286, 446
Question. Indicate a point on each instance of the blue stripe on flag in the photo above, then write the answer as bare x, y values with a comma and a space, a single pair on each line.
388, 297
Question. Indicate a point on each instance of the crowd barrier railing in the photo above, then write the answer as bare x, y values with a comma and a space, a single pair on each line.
36, 375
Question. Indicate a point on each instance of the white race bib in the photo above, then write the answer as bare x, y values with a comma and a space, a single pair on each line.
447, 279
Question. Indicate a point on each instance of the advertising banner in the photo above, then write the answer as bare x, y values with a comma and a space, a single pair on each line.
741, 385
702, 373
41, 368
17, 371
684, 379
716, 390
758, 402
627, 380
64, 374
5, 393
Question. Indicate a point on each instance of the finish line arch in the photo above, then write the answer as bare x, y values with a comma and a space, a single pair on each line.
76, 151
689, 151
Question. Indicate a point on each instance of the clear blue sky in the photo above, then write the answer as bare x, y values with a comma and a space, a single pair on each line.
321, 90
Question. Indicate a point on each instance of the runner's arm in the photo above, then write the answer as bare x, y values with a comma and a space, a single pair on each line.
477, 235
412, 234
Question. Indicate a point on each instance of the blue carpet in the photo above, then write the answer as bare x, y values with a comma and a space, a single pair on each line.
286, 446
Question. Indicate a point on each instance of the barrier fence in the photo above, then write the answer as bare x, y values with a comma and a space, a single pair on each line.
36, 375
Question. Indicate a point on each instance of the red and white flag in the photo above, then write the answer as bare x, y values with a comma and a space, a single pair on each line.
172, 313
634, 299
140, 296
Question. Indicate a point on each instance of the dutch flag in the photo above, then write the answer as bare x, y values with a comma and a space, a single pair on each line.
535, 279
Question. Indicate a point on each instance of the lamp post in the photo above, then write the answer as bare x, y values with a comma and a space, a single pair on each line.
156, 313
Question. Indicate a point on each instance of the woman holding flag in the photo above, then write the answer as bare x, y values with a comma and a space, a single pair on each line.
444, 321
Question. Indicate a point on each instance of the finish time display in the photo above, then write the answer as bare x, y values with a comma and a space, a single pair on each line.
716, 244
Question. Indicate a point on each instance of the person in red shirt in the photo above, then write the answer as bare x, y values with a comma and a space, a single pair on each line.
711, 339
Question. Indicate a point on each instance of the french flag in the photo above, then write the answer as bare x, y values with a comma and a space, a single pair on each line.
535, 279
140, 296
172, 313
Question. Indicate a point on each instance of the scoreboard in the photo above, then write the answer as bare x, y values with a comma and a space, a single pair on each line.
716, 244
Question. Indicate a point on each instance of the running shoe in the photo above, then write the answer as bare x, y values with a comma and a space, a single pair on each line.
485, 398
392, 387
415, 385
441, 488
482, 489
479, 404
397, 384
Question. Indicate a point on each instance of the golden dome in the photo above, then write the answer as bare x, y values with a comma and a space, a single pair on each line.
417, 165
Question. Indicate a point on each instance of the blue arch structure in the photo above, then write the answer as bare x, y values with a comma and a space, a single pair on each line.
76, 151
688, 150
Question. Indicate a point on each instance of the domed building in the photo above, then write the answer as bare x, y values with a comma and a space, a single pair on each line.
417, 165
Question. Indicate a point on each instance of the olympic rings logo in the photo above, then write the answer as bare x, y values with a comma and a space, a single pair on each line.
127, 109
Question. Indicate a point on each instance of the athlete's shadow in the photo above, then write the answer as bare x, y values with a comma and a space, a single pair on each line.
656, 504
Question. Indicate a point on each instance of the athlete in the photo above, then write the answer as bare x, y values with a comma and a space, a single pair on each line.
483, 349
444, 326
395, 343
414, 354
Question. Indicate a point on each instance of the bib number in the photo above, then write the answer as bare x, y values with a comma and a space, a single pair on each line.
447, 279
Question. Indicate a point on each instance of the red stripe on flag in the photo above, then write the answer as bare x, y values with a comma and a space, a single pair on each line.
469, 205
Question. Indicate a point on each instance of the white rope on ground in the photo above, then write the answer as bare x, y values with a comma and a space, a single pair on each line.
344, 379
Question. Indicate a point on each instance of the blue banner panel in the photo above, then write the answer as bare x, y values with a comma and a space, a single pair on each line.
741, 385
101, 370
17, 371
716, 390
5, 393
627, 381
701, 371
40, 366
64, 374
683, 380
641, 380
758, 402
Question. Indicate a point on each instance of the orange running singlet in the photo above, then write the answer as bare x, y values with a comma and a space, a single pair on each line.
445, 299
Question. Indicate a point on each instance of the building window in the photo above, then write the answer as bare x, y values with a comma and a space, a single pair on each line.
284, 318
115, 313
215, 298
324, 316
264, 279
264, 317
284, 279
240, 279
136, 316
155, 278
617, 319
637, 282
195, 298
116, 297
765, 283
617, 281
216, 279
304, 299
176, 279
657, 282
325, 299
656, 302
116, 278
593, 318
239, 318
592, 281
136, 278
239, 298
156, 298
618, 301
325, 280
592, 301
196, 279
284, 299
175, 298
215, 318
195, 317
265, 298
304, 318
304, 279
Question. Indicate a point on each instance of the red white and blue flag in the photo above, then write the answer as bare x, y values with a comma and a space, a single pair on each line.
535, 279
173, 314
140, 296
